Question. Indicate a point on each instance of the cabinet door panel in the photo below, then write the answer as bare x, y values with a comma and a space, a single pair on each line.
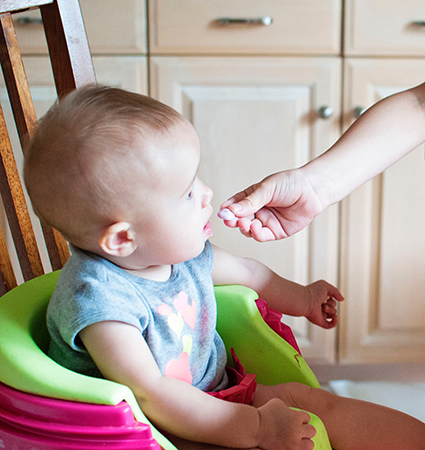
127, 72
255, 117
383, 244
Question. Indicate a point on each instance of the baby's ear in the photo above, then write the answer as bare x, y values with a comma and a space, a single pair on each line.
118, 240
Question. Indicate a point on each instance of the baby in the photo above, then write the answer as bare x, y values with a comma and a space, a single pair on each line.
116, 173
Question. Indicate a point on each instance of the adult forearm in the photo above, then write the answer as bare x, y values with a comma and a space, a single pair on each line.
380, 137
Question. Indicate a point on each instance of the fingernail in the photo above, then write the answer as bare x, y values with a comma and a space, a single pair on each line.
236, 207
226, 214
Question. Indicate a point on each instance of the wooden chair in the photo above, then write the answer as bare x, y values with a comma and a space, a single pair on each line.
72, 67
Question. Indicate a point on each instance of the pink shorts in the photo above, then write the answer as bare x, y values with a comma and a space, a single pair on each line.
243, 386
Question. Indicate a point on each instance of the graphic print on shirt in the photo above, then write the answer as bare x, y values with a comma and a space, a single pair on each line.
186, 313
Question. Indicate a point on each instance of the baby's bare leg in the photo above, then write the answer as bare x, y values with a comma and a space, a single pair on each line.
351, 424
183, 444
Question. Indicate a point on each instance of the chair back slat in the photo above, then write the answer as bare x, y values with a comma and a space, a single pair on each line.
16, 209
57, 247
7, 275
71, 60
25, 118
16, 79
72, 67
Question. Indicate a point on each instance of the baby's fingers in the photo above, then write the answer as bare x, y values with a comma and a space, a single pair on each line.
330, 316
308, 433
334, 293
329, 307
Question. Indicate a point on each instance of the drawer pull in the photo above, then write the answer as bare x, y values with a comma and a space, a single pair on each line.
27, 20
358, 111
262, 21
325, 112
418, 23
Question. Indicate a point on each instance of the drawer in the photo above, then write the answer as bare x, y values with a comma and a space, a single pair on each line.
110, 28
244, 26
385, 27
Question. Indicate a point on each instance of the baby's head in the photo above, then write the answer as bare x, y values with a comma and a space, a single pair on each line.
96, 159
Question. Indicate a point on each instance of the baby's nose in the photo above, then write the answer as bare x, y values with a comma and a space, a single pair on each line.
207, 197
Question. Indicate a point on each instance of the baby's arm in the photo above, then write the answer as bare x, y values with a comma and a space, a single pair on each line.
316, 301
122, 355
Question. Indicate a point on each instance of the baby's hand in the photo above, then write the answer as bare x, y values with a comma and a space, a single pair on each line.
322, 299
282, 428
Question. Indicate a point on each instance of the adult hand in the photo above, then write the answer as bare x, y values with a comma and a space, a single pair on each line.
277, 207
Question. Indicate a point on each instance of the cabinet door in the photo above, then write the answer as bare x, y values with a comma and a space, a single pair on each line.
256, 116
127, 72
383, 243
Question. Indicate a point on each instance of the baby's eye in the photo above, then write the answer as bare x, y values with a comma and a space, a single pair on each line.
190, 195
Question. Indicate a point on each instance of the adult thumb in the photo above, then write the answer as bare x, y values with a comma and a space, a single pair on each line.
251, 203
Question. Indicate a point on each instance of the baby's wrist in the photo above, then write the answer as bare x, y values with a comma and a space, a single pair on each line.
265, 427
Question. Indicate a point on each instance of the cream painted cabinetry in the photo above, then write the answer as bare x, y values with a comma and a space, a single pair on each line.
250, 27
111, 29
385, 28
383, 244
254, 78
257, 114
382, 240
117, 39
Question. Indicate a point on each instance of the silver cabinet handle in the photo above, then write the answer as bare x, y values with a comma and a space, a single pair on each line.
418, 23
27, 20
358, 111
324, 112
262, 21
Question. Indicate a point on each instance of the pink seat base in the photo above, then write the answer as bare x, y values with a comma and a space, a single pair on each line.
28, 421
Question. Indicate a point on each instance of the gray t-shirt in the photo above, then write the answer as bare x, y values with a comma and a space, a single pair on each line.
177, 318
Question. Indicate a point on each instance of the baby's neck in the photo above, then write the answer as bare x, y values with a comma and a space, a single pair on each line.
156, 273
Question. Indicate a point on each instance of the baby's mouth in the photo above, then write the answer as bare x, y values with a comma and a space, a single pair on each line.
207, 229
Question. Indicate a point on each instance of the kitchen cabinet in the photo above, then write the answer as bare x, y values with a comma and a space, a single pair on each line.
383, 244
262, 96
269, 85
254, 115
244, 27
231, 97
385, 28
111, 28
